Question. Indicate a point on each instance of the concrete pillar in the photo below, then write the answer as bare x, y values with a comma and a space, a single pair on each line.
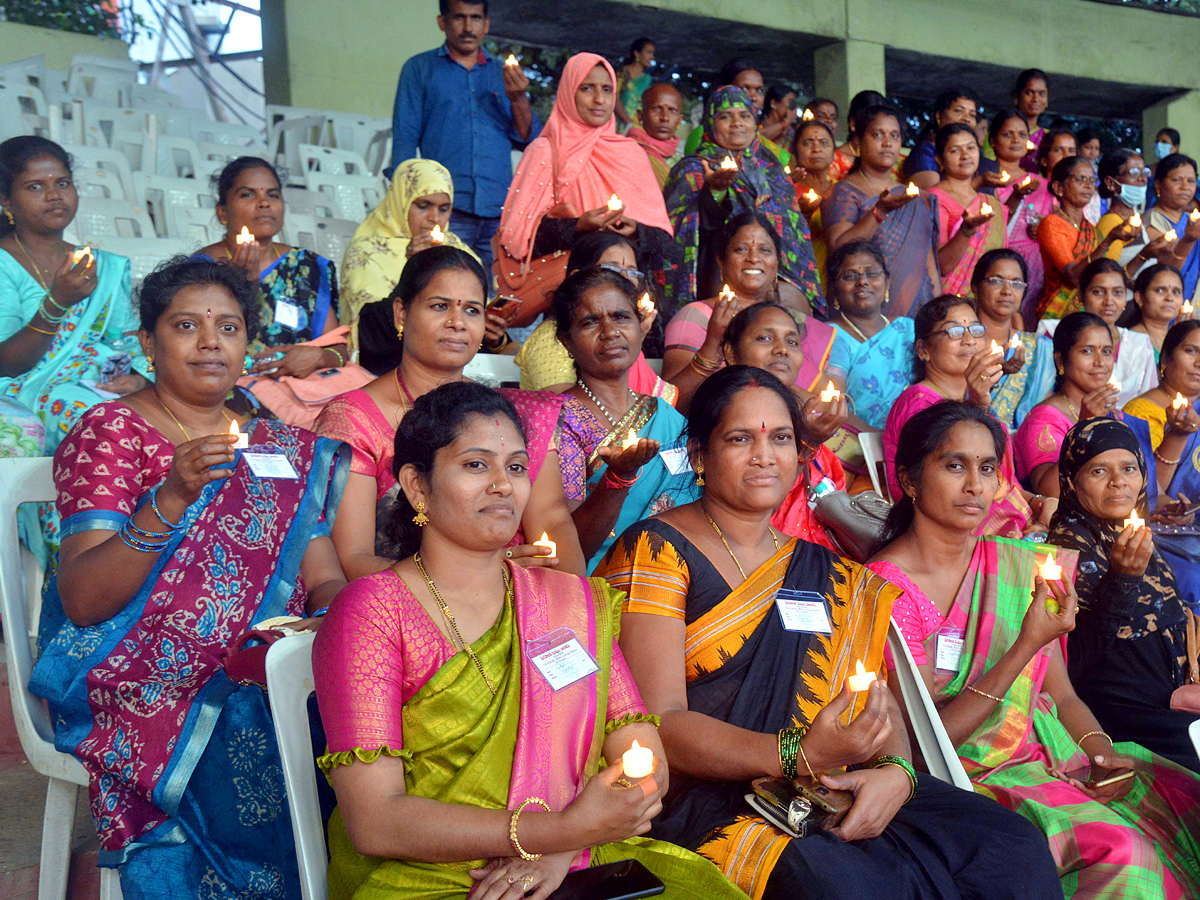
1181, 113
843, 69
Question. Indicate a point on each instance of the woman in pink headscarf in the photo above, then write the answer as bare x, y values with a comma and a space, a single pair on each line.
563, 186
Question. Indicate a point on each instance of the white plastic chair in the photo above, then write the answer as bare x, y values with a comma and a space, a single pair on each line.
179, 157
300, 230
145, 254
143, 96
352, 196
22, 110
230, 133
289, 683
872, 450
941, 758
99, 218
332, 160
161, 194
100, 77
284, 137
493, 369
378, 152
193, 225
30, 481
88, 160
354, 133
332, 237
302, 200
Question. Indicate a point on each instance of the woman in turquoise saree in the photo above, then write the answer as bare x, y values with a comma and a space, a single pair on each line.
620, 452
470, 703
174, 546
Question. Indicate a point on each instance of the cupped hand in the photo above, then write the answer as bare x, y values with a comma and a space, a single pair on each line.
1130, 553
984, 372
494, 328
895, 198
510, 877
831, 744
1108, 766
717, 179
596, 219
529, 555
516, 83
625, 461
1022, 188
1192, 229
248, 258
1159, 246
993, 180
74, 281
1040, 625
972, 222
1125, 232
725, 307
605, 812
1016, 362
622, 225
823, 419
301, 360
421, 241
1183, 420
878, 796
196, 464
1098, 403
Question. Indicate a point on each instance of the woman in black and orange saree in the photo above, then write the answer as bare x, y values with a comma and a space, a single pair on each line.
742, 641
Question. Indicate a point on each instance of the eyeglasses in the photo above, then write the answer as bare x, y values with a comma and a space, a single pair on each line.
1137, 173
998, 283
957, 332
632, 274
856, 277
1085, 179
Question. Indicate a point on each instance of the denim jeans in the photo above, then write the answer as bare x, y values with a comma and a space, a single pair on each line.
476, 232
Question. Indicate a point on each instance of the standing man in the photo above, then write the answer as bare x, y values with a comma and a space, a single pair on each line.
661, 114
461, 107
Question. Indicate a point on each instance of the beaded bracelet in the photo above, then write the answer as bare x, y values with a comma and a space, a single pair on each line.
49, 317
158, 512
1166, 462
789, 751
63, 309
902, 763
512, 827
975, 690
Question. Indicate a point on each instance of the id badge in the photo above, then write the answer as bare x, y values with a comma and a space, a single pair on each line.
265, 462
676, 460
803, 611
561, 659
949, 649
288, 315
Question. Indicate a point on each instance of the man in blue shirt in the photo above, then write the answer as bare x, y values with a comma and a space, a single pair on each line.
461, 107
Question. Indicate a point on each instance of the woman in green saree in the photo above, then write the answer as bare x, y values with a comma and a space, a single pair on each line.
468, 701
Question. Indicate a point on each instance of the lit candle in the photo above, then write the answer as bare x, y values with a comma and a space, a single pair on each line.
996, 348
808, 115
1135, 521
787, 170
548, 544
81, 253
1050, 570
912, 190
1194, 215
1135, 221
243, 440
437, 235
985, 209
1026, 181
811, 196
646, 305
830, 393
727, 293
244, 236
637, 762
1179, 402
861, 679
1030, 146
1171, 236
512, 61
631, 440
728, 164
1015, 341
1187, 308
1004, 176
614, 203
1115, 385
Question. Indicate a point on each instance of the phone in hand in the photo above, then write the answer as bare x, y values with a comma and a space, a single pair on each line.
1098, 776
627, 879
505, 307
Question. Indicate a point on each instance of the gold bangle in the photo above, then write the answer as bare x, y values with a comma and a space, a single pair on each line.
52, 333
804, 757
512, 827
972, 688
1102, 734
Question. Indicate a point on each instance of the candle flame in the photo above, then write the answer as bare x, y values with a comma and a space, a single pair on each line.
1049, 569
547, 543
233, 429
912, 190
985, 209
1134, 520
830, 393
1194, 215
81, 253
861, 679
808, 115
437, 235
1171, 236
1135, 221
614, 203
1187, 308
645, 304
787, 170
1026, 181
812, 196
512, 60
1179, 402
1115, 384
858, 668
727, 293
244, 236
631, 440
1004, 176
996, 348
1030, 146
728, 164
1014, 341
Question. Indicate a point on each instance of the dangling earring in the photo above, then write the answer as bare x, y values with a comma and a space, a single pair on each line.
150, 365
8, 215
700, 477
399, 332
420, 519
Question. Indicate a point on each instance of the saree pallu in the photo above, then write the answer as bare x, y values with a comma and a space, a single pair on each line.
1015, 396
1142, 846
992, 235
1061, 244
878, 370
656, 488
1032, 208
907, 237
185, 783
1157, 219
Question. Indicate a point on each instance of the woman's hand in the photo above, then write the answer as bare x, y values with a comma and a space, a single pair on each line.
983, 373
1123, 233
724, 309
718, 179
1157, 247
1183, 420
1043, 509
418, 242
992, 180
878, 796
627, 228
830, 744
824, 419
1014, 363
1192, 229
1175, 512
301, 360
495, 327
510, 877
1041, 625
531, 555
647, 320
604, 813
972, 223
596, 219
74, 281
625, 462
1099, 403
1130, 553
124, 384
894, 198
248, 258
193, 468
1110, 765
1026, 186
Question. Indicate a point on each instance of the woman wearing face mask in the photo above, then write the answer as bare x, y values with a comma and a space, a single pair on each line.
1123, 176
1173, 214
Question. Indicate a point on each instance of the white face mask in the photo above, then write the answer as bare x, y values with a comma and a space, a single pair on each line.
1162, 150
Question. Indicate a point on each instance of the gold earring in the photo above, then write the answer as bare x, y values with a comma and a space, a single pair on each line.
150, 364
8, 215
399, 332
700, 477
420, 519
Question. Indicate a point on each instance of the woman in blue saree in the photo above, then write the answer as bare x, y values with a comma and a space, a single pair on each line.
1175, 184
174, 546
610, 480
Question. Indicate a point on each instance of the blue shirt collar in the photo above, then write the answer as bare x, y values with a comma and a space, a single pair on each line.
484, 56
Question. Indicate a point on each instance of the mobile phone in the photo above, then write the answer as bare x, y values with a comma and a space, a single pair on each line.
505, 306
627, 879
1085, 775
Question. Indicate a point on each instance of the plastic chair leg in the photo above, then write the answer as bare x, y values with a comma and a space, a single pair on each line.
57, 825
110, 885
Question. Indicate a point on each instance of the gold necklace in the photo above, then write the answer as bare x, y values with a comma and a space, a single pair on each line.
1071, 407
167, 410
862, 337
41, 279
717, 529
449, 616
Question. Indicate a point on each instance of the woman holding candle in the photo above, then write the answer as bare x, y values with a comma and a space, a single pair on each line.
610, 437
969, 223
750, 254
1174, 217
173, 549
741, 696
438, 310
812, 154
870, 205
952, 361
462, 758
1123, 176
1129, 653
998, 285
702, 196
991, 656
1031, 97
1157, 301
563, 185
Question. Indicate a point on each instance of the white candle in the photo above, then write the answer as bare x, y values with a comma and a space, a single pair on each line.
645, 305
1026, 180
637, 761
1115, 385
728, 164
985, 209
1030, 146
808, 115
512, 61
1134, 520
1004, 178
548, 544
437, 235
244, 236
996, 348
243, 440
861, 679
81, 253
614, 203
811, 196
1171, 236
1050, 570
1179, 402
1194, 215
1187, 308
830, 393
1015, 341
1135, 221
631, 440
912, 190
727, 293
